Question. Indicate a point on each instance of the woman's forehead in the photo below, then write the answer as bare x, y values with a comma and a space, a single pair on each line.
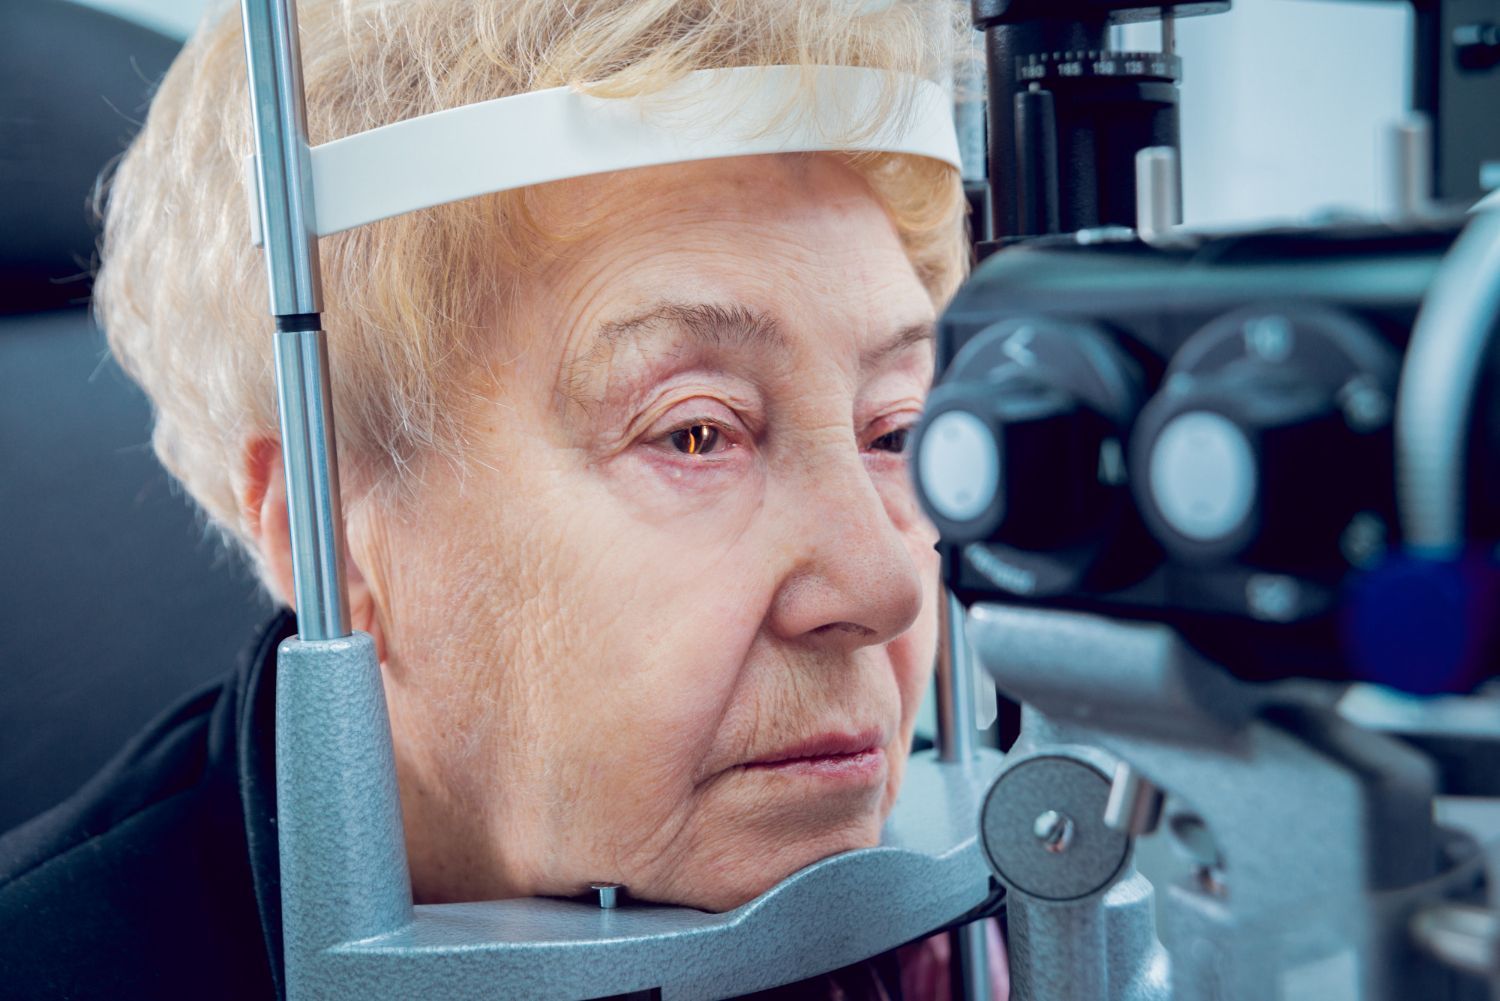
774, 259
794, 273
803, 231
706, 190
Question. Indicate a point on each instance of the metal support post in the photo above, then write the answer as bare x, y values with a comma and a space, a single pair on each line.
343, 857
284, 174
955, 684
955, 736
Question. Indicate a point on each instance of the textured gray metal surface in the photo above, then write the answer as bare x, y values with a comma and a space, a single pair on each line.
351, 932
1323, 830
1093, 854
1100, 942
1074, 667
1102, 948
343, 852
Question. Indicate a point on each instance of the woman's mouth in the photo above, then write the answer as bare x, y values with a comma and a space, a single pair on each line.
831, 757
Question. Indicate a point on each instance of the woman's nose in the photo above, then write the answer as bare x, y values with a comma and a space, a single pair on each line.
849, 578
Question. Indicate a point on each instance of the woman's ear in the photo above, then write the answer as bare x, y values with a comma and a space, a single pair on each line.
263, 514
263, 508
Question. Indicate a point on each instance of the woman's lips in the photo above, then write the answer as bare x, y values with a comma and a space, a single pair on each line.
833, 756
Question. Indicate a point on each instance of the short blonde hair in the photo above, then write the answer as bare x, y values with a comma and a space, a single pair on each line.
410, 302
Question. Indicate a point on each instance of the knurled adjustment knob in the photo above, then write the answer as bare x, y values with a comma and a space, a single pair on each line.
1267, 441
1021, 444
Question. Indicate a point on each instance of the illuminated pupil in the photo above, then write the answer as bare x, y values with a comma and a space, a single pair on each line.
893, 441
696, 440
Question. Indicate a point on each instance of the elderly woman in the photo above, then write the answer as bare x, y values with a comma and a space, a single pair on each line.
623, 457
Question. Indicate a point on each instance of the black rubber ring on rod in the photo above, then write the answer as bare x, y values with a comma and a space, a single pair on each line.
293, 322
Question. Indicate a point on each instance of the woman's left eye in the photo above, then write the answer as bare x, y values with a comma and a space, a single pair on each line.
697, 439
892, 441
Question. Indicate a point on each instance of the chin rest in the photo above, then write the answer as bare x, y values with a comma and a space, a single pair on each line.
351, 929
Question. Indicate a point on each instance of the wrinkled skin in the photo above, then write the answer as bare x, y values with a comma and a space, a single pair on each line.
686, 543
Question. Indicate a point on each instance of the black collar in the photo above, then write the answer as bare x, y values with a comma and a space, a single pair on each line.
255, 748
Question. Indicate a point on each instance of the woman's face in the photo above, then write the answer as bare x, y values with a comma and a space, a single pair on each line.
671, 627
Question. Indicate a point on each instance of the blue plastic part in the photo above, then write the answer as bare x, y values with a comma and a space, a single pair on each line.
1424, 624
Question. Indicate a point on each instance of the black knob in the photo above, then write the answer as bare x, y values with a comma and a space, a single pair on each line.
1021, 447
1269, 442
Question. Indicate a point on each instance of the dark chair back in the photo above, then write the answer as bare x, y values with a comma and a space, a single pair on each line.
114, 599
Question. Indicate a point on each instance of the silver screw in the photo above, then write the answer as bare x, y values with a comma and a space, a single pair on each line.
1054, 830
609, 894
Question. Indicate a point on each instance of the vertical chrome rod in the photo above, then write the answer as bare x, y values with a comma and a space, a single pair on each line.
955, 684
971, 967
284, 174
955, 740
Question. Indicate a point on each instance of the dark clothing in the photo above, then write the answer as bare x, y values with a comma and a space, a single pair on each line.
159, 878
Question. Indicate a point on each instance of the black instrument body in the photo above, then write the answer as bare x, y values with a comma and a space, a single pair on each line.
1199, 430
1295, 338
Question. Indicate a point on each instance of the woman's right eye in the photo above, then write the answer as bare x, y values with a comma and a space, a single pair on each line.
697, 439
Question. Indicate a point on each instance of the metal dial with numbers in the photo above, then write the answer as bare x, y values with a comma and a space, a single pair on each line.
1100, 65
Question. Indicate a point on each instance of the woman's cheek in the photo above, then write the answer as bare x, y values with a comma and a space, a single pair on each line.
694, 502
686, 677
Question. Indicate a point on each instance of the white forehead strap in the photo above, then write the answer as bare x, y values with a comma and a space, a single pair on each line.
550, 135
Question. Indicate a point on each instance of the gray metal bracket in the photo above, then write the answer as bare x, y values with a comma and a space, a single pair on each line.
351, 931
1316, 837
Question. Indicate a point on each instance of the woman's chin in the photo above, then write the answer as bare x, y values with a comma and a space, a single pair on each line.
743, 872
764, 824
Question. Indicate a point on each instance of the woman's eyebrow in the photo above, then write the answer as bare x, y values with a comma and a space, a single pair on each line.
735, 325
913, 334
704, 324
713, 325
